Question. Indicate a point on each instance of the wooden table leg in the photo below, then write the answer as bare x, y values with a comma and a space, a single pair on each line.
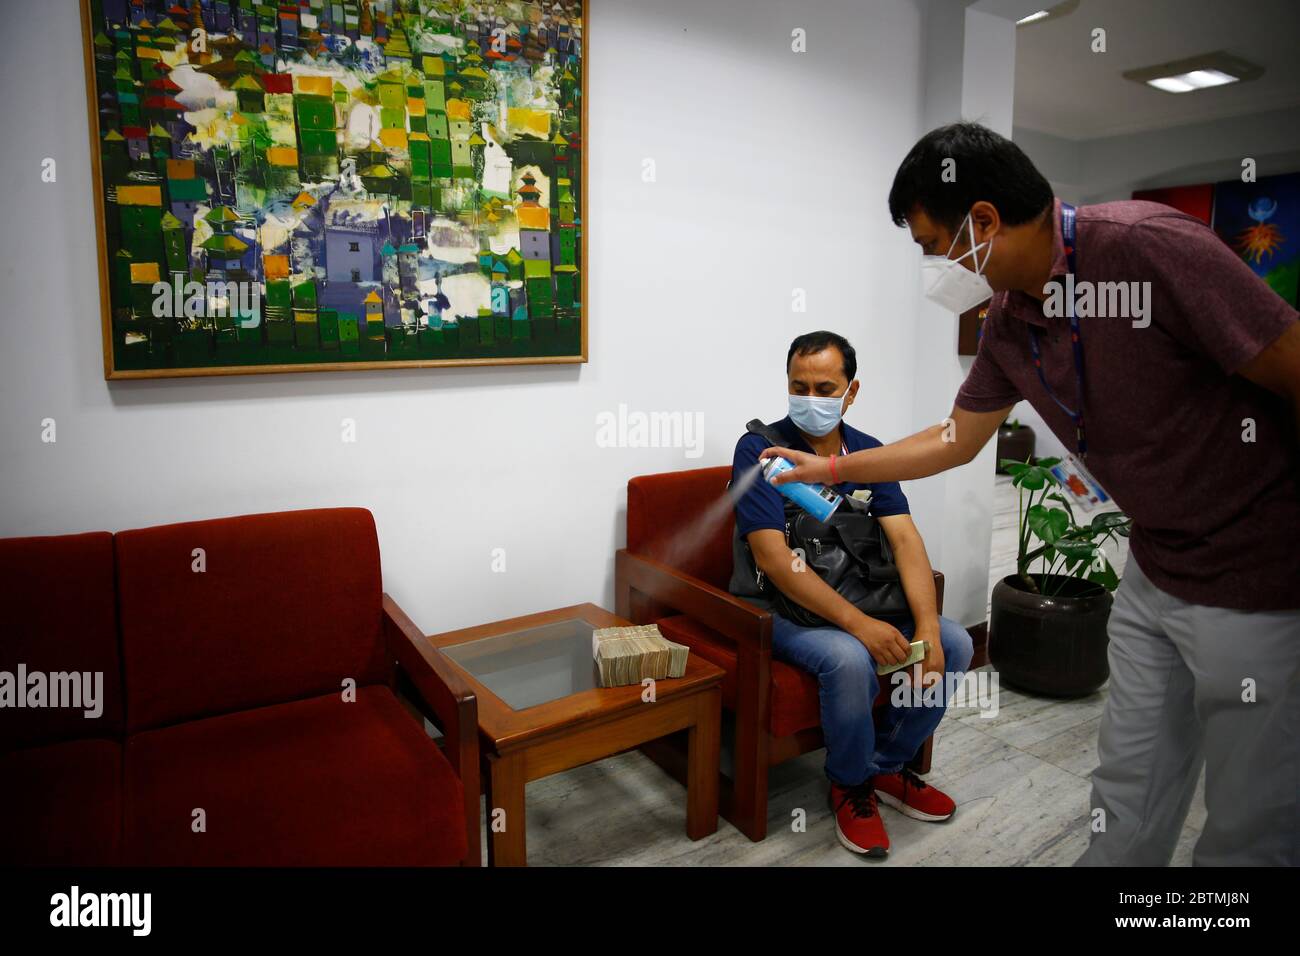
506, 822
703, 742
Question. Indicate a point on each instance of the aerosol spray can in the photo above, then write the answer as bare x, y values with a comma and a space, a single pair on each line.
818, 500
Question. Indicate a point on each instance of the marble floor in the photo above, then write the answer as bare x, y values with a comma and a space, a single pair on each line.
1019, 777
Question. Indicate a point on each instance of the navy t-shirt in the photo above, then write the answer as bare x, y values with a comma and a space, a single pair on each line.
762, 506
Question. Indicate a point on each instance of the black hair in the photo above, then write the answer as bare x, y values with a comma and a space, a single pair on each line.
988, 167
813, 342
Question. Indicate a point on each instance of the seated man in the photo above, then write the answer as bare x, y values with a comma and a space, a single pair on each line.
861, 760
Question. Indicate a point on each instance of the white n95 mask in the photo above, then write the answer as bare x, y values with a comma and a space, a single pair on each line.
949, 283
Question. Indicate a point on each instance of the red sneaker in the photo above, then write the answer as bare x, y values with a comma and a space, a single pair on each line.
910, 795
857, 820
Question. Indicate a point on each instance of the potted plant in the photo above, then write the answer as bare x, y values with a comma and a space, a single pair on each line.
1047, 626
1015, 441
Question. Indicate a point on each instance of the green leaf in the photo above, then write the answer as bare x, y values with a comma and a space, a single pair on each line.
1110, 519
1048, 462
1057, 496
1035, 477
1011, 466
1047, 523
1032, 478
1106, 577
1076, 548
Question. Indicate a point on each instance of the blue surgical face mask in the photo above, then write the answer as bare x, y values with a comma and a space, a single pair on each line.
815, 415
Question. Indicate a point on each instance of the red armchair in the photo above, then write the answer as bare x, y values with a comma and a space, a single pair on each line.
249, 714
674, 572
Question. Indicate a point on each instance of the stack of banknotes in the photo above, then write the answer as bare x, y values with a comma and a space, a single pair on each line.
628, 655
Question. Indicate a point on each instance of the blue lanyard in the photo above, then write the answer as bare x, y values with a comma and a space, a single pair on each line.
1076, 414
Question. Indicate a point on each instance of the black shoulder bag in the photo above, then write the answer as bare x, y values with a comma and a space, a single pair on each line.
850, 552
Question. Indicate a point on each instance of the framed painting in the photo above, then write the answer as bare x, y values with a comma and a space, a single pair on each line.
337, 184
1261, 222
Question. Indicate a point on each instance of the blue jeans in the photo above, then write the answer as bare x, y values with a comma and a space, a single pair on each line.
856, 749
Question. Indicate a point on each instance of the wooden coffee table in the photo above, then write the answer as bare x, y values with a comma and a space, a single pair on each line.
541, 711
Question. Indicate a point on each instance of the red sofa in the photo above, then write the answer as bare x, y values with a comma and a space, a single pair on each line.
248, 709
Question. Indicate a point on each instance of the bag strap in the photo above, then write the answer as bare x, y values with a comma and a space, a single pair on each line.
773, 436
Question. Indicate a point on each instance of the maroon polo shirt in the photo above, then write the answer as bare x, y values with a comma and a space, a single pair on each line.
1216, 520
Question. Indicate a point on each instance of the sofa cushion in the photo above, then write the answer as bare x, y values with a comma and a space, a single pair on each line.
61, 804
287, 608
795, 702
60, 617
318, 782
685, 520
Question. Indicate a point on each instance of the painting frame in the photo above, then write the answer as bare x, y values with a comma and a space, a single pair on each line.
113, 372
1259, 220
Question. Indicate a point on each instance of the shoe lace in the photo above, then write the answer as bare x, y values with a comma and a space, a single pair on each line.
910, 779
861, 799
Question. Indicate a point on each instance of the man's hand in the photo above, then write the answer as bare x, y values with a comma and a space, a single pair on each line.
809, 468
930, 670
883, 641
1277, 368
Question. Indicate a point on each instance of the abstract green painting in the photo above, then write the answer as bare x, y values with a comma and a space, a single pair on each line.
338, 184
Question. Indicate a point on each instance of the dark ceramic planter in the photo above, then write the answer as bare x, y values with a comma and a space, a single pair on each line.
1016, 443
1050, 644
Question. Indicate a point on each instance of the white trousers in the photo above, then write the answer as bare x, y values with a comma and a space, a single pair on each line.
1192, 685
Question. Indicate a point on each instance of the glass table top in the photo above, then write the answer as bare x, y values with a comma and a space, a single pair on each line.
531, 666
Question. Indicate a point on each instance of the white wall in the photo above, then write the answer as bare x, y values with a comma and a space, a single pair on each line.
773, 170
1112, 167
1060, 160
973, 78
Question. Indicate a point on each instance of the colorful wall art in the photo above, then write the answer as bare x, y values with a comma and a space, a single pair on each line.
1261, 222
338, 184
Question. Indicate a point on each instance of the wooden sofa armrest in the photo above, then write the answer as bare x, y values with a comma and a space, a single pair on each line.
452, 702
737, 620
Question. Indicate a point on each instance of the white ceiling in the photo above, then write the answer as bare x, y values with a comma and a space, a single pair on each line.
1065, 89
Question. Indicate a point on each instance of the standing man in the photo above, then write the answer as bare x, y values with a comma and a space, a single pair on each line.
1186, 408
